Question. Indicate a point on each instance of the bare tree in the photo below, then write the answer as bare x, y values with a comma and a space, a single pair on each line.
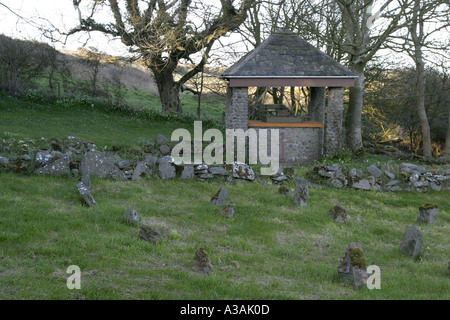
92, 60
21, 61
416, 42
362, 42
164, 33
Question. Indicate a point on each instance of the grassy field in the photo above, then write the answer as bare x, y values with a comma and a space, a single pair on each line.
269, 250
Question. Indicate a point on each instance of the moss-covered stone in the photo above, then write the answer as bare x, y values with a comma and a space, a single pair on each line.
428, 206
357, 257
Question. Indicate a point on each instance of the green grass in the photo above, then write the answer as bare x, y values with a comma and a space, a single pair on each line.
35, 120
269, 250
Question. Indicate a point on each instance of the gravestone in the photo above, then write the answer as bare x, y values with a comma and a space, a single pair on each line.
301, 193
339, 214
202, 262
228, 211
412, 242
88, 199
352, 268
131, 216
153, 233
219, 198
428, 213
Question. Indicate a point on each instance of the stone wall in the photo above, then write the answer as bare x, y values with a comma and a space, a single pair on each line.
297, 145
237, 108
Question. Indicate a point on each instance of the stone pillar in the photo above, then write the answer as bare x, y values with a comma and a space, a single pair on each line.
333, 138
236, 108
316, 111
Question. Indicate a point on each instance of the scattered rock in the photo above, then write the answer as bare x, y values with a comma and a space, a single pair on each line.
95, 163
374, 171
166, 169
21, 166
219, 198
279, 177
160, 139
412, 242
187, 173
164, 149
428, 213
141, 170
243, 171
336, 183
228, 211
84, 192
43, 157
56, 168
4, 162
353, 266
363, 184
389, 174
131, 216
202, 262
219, 171
355, 173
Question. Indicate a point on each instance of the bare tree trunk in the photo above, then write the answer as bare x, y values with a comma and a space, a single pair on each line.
417, 34
168, 91
420, 105
353, 118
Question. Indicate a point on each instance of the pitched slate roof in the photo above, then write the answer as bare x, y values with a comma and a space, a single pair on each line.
283, 55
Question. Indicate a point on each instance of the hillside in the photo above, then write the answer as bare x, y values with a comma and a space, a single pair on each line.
269, 249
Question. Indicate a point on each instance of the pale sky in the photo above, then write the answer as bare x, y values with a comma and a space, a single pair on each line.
60, 13
63, 15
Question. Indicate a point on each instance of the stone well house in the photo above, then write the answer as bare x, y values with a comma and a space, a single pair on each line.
286, 60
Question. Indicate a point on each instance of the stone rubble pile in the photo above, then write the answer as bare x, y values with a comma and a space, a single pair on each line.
410, 177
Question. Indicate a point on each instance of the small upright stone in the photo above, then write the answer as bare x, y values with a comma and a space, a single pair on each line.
300, 182
202, 262
153, 233
131, 216
86, 179
353, 266
87, 197
428, 213
301, 195
187, 173
228, 211
412, 242
219, 198
339, 214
